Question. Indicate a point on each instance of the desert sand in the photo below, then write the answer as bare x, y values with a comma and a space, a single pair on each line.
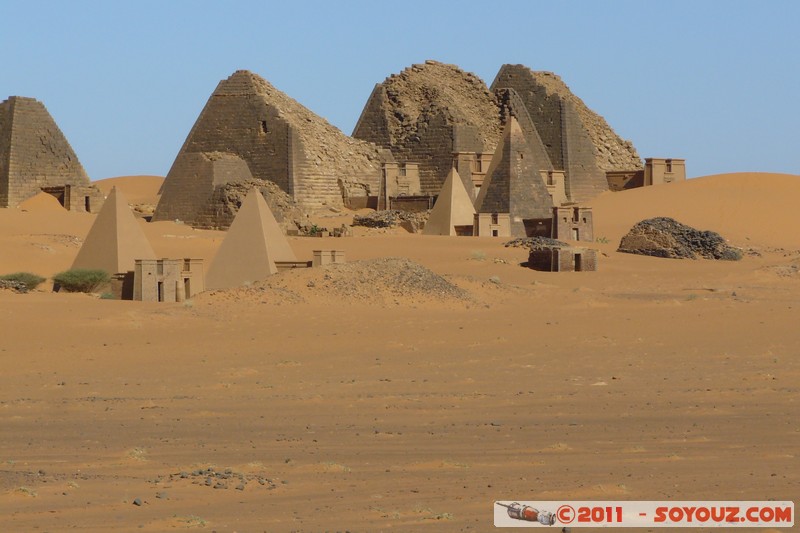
342, 404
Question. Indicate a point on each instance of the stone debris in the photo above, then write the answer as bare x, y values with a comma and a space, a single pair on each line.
413, 222
220, 210
535, 243
666, 237
394, 275
13, 285
209, 477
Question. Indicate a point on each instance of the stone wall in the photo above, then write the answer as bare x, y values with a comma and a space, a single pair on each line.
34, 155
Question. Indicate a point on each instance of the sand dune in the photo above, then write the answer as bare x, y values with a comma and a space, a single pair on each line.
649, 379
749, 209
137, 189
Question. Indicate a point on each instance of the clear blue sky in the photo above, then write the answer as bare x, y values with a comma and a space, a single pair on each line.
715, 82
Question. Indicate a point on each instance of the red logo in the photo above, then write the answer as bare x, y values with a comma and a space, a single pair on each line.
565, 514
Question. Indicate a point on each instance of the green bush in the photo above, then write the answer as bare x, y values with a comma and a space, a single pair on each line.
31, 281
81, 280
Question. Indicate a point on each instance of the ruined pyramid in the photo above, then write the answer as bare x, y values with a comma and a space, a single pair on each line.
115, 240
251, 247
513, 183
543, 93
278, 139
35, 156
453, 208
426, 113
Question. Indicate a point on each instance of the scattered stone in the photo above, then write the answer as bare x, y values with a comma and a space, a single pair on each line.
137, 502
13, 285
535, 243
413, 222
666, 237
240, 486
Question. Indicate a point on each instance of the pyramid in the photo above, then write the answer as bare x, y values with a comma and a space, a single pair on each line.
513, 184
249, 251
278, 139
425, 113
453, 208
115, 240
35, 155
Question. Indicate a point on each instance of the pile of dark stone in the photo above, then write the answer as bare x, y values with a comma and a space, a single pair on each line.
411, 221
666, 237
209, 477
13, 285
535, 243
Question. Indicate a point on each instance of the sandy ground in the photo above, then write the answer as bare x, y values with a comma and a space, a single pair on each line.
649, 379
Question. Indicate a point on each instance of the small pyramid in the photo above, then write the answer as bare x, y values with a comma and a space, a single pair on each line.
513, 183
115, 240
453, 208
249, 251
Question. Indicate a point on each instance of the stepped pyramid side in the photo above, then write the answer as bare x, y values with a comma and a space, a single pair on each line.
115, 240
453, 208
542, 93
280, 141
427, 112
252, 245
513, 184
583, 178
35, 155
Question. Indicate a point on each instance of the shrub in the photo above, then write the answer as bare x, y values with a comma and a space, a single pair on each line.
81, 280
31, 281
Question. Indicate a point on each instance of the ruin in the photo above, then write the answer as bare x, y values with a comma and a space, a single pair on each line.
453, 212
563, 259
656, 171
167, 280
426, 114
438, 115
400, 189
415, 127
513, 184
279, 140
573, 223
559, 115
328, 257
115, 240
35, 156
252, 247
492, 225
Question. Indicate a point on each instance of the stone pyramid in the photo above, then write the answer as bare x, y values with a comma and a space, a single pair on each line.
453, 208
513, 184
249, 251
35, 155
278, 139
115, 240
